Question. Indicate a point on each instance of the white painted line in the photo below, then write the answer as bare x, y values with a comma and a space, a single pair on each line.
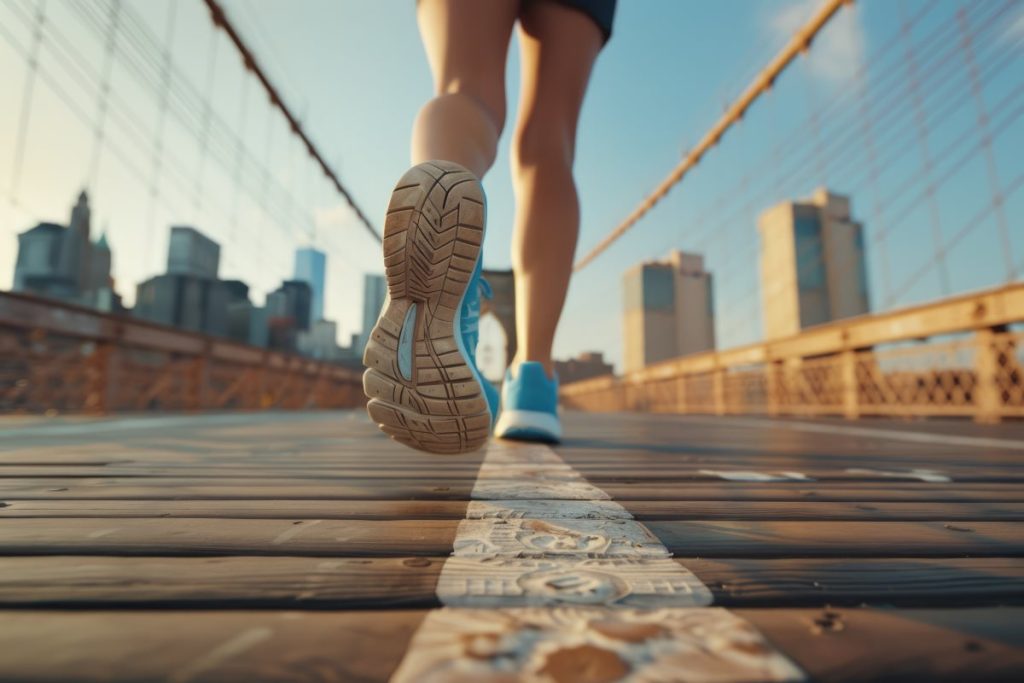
546, 509
891, 434
746, 475
549, 578
482, 581
931, 476
708, 645
544, 537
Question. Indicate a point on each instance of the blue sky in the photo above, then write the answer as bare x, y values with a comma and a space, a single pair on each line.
356, 73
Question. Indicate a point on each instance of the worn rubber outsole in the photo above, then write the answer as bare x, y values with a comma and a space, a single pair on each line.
432, 239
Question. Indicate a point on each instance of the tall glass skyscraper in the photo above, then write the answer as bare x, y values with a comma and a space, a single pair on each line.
311, 267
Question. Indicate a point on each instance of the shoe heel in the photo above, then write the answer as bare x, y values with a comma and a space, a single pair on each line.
422, 391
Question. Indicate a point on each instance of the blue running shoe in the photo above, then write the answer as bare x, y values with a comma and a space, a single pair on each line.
529, 405
422, 380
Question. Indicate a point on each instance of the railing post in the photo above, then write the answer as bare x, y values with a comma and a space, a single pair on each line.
100, 382
200, 379
772, 369
718, 389
987, 396
848, 384
681, 393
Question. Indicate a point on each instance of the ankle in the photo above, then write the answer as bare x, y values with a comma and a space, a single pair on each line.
548, 363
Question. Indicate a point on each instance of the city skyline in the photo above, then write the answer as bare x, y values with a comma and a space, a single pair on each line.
260, 219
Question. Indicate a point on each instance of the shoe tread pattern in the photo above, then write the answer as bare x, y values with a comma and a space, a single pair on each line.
433, 233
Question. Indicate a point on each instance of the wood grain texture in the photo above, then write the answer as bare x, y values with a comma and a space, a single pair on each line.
643, 510
840, 539
322, 583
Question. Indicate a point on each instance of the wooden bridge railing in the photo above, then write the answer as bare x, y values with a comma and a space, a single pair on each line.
955, 357
56, 357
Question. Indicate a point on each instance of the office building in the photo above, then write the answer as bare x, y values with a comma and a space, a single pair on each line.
190, 252
311, 267
668, 310
813, 268
64, 263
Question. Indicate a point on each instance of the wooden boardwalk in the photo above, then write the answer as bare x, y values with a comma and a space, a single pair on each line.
307, 547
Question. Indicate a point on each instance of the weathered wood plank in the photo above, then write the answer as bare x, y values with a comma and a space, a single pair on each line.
844, 645
836, 645
644, 510
840, 539
635, 472
317, 537
886, 581
197, 646
243, 509
306, 583
446, 489
220, 582
186, 536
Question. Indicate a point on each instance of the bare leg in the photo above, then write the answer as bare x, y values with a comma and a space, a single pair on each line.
466, 42
558, 47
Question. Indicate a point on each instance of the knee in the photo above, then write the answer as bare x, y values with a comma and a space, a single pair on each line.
542, 143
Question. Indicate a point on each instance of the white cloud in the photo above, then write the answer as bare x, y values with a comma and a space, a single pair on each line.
837, 52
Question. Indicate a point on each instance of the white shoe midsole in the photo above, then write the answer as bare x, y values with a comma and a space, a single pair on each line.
528, 419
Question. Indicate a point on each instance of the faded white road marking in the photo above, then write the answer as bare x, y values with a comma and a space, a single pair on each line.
892, 434
571, 580
696, 645
931, 476
100, 533
293, 531
746, 475
231, 648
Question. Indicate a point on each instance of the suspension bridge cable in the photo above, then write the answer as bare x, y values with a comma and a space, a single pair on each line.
798, 44
220, 20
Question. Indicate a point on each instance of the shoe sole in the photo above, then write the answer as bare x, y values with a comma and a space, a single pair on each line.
423, 390
528, 425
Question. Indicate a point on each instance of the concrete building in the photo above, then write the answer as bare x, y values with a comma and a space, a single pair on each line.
190, 252
186, 302
813, 266
375, 290
311, 267
64, 263
189, 296
585, 366
669, 310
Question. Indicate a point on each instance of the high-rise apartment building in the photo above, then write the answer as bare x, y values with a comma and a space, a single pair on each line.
669, 310
812, 264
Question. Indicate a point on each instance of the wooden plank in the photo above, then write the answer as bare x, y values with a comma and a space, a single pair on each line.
321, 583
241, 509
318, 537
638, 472
841, 645
184, 536
837, 645
888, 581
644, 510
220, 582
194, 646
445, 489
658, 510
840, 539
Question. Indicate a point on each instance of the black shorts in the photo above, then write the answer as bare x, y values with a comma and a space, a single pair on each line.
601, 11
